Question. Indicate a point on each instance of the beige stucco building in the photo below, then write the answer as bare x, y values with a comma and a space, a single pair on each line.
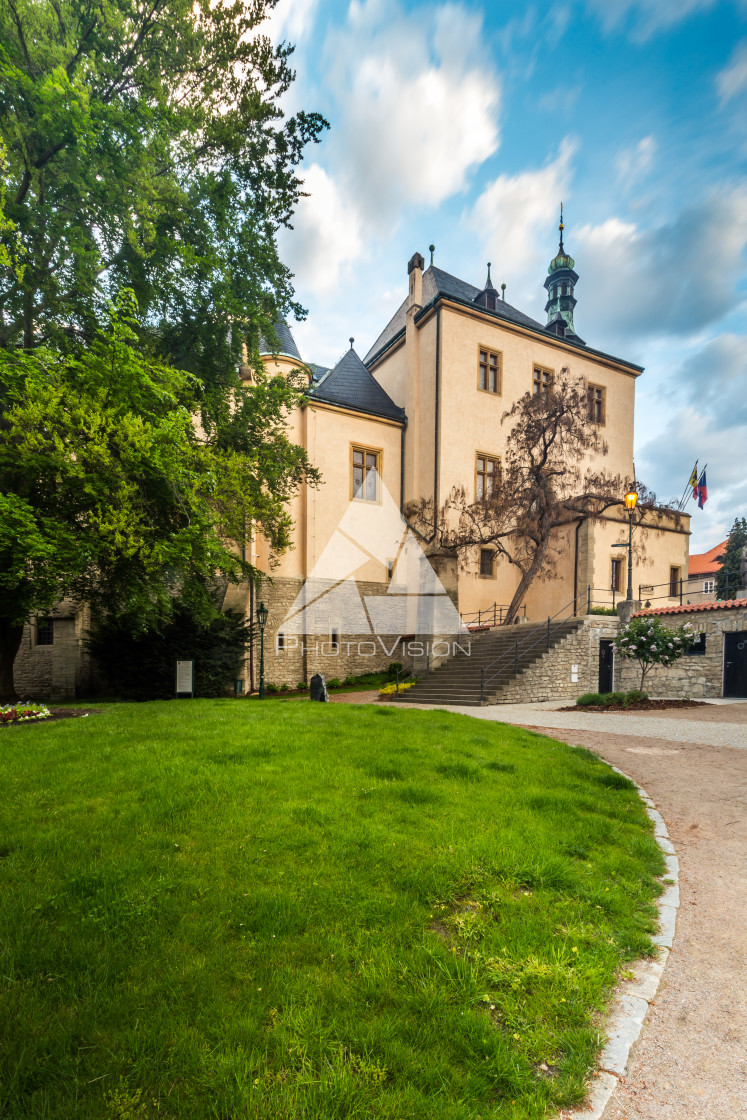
421, 414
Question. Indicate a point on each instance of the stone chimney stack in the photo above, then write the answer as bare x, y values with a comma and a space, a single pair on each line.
415, 272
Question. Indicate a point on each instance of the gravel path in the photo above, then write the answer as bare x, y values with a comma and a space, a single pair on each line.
690, 1061
727, 727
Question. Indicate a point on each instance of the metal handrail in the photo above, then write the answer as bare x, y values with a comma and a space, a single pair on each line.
491, 616
678, 588
531, 642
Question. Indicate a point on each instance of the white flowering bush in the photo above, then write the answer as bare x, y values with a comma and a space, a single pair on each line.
649, 642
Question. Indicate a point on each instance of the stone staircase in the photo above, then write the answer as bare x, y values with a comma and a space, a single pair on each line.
457, 681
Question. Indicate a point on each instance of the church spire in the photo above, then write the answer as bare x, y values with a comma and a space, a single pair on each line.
560, 284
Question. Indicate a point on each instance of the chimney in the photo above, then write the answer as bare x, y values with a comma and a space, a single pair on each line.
415, 272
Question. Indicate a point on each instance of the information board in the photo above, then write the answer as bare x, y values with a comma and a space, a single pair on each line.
185, 676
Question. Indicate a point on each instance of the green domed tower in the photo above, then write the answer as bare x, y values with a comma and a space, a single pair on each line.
560, 282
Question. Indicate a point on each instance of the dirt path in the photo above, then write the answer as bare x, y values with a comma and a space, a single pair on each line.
690, 1062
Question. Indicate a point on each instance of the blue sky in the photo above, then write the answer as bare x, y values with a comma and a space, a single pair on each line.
465, 123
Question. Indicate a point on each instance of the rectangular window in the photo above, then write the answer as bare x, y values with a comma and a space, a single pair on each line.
45, 632
700, 646
542, 382
487, 562
280, 643
389, 570
596, 404
709, 585
487, 477
674, 583
616, 575
334, 637
365, 466
489, 371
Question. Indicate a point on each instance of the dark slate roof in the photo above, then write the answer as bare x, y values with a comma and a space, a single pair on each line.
437, 282
285, 342
317, 372
350, 385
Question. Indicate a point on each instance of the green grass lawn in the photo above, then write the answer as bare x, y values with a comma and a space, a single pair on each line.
222, 909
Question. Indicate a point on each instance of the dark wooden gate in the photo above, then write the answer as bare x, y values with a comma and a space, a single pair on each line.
606, 654
735, 664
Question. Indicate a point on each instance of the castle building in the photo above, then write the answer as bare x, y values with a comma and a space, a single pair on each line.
420, 414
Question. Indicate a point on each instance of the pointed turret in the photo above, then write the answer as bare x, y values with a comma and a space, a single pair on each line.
488, 297
560, 283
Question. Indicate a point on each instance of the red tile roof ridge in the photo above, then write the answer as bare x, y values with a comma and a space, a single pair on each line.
689, 608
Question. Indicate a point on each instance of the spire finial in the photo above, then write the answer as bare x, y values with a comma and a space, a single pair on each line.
352, 340
489, 282
503, 290
561, 227
432, 251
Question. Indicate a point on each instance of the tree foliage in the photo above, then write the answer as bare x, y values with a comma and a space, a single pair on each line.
108, 493
147, 149
728, 576
548, 478
140, 665
649, 642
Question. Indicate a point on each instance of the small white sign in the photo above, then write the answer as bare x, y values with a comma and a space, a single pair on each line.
185, 676
574, 674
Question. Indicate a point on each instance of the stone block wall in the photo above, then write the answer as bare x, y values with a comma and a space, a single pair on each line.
698, 676
566, 671
60, 671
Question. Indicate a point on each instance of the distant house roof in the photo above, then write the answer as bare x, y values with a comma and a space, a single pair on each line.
350, 385
691, 608
286, 343
705, 563
436, 282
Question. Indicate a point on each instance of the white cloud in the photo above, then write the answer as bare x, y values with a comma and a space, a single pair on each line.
633, 163
289, 21
514, 217
418, 101
667, 460
675, 278
648, 16
732, 80
326, 234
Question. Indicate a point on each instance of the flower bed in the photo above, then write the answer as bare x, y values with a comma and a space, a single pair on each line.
22, 713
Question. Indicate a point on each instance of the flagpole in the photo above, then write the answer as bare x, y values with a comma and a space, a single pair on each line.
688, 489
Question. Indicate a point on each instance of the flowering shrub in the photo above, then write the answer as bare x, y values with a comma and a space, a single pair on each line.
22, 712
391, 689
649, 642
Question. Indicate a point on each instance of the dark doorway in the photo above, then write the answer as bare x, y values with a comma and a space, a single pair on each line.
735, 664
606, 654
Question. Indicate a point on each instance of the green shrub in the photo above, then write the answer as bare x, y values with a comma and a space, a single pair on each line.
394, 668
589, 698
140, 665
284, 687
636, 694
302, 686
603, 610
334, 683
271, 689
612, 698
350, 680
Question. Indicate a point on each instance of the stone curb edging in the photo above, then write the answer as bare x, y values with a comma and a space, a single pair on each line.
633, 996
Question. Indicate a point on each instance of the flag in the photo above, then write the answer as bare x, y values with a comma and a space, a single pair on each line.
702, 491
694, 481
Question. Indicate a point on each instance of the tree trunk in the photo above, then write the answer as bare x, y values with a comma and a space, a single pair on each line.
526, 580
10, 641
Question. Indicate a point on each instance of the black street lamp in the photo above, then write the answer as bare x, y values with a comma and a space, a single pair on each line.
262, 613
630, 503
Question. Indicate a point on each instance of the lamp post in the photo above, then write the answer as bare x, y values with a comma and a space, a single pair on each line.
262, 613
630, 503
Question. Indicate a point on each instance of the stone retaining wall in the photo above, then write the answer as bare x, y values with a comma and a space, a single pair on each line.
566, 671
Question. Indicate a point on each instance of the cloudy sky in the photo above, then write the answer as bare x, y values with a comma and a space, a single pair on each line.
465, 123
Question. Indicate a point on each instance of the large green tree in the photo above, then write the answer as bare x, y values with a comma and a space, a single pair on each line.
728, 576
146, 148
111, 495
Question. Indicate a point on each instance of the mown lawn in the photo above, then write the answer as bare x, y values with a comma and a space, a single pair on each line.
307, 911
